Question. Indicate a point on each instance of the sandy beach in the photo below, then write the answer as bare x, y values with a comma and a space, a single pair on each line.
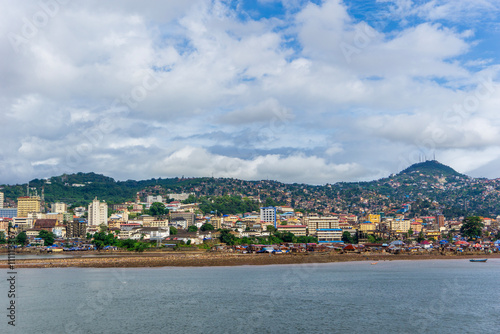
201, 259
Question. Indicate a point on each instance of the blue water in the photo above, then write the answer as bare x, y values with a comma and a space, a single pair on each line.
442, 296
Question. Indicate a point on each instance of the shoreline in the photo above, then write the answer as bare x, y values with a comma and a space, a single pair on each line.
145, 260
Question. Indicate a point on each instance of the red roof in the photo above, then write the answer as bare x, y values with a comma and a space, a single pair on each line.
45, 223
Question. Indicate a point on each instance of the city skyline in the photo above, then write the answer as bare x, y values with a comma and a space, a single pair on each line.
296, 91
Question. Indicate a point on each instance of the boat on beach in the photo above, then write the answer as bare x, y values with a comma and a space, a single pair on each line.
478, 260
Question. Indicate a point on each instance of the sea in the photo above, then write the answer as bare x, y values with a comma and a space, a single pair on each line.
429, 296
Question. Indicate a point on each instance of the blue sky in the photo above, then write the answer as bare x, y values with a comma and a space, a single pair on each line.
293, 90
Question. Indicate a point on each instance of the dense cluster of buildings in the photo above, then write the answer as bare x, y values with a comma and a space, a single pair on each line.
128, 221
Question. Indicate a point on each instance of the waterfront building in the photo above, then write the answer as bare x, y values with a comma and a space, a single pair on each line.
314, 223
329, 235
98, 213
28, 204
150, 233
76, 228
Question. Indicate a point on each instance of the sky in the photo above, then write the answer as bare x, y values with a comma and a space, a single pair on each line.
291, 90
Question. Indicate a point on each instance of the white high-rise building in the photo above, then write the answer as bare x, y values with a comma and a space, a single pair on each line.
268, 215
1, 200
98, 213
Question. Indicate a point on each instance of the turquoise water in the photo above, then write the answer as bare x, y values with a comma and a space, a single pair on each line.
447, 296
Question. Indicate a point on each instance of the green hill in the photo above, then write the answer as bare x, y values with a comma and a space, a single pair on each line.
431, 168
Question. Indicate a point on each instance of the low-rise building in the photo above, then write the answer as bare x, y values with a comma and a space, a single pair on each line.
329, 235
297, 230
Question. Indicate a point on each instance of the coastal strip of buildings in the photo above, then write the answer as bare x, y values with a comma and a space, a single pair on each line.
128, 221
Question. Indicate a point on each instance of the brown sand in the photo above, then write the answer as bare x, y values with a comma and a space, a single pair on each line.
201, 259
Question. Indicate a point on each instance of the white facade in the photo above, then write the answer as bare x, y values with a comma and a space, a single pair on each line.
268, 215
180, 197
149, 233
59, 208
98, 213
1, 200
315, 223
153, 199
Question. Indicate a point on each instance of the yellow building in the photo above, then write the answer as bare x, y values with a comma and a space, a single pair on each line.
373, 218
216, 222
297, 230
28, 204
416, 227
367, 227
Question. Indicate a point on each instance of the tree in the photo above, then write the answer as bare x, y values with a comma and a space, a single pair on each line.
271, 228
207, 227
472, 227
2, 237
48, 237
192, 228
173, 230
227, 238
420, 237
410, 232
21, 238
157, 209
347, 238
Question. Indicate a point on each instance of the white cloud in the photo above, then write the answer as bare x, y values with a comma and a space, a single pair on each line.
102, 82
296, 168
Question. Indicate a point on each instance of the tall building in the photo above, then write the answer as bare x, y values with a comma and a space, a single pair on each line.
268, 215
59, 208
98, 213
1, 200
28, 204
440, 220
76, 229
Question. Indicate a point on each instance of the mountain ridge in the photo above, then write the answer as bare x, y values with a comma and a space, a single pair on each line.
431, 186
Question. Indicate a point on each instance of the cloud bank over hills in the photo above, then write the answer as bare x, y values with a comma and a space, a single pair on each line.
297, 91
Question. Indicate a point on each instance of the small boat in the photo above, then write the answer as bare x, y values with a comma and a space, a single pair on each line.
374, 263
477, 260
